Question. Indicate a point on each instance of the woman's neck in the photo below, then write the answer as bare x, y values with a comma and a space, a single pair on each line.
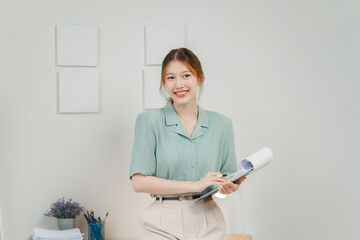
187, 112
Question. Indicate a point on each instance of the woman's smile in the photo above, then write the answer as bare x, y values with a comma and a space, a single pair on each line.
182, 93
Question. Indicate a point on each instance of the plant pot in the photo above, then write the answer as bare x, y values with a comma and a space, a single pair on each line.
66, 223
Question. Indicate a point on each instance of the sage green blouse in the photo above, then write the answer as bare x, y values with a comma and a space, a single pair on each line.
164, 149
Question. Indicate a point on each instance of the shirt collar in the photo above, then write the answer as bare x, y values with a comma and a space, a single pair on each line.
171, 118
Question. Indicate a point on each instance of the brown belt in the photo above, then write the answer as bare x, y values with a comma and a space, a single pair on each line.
179, 198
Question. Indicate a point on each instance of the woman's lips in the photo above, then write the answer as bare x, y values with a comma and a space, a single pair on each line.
181, 93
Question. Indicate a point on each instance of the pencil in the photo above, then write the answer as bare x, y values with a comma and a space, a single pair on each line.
106, 216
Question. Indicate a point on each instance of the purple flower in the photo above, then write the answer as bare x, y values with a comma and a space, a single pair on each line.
62, 209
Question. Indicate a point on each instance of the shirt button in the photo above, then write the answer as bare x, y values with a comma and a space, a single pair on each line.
191, 144
192, 165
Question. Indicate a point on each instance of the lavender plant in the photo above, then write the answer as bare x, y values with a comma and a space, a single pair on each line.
62, 209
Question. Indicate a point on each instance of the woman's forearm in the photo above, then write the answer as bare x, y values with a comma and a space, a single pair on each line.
159, 186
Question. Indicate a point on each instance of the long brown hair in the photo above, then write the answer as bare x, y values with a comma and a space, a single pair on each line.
188, 58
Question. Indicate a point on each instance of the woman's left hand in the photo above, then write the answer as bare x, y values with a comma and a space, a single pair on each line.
229, 187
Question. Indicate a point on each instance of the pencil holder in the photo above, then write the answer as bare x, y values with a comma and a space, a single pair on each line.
96, 231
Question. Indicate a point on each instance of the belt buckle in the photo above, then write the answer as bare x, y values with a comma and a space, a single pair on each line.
185, 198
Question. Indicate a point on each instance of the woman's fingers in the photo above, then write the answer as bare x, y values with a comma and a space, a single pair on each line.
228, 187
210, 178
216, 177
239, 181
225, 189
217, 180
214, 174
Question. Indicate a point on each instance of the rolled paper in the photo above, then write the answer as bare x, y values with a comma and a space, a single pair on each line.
250, 164
257, 160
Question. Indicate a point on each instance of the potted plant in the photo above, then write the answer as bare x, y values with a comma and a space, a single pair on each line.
65, 212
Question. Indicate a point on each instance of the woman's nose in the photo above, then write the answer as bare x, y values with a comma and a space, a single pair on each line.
178, 82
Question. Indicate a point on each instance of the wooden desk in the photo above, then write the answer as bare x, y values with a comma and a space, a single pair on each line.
239, 237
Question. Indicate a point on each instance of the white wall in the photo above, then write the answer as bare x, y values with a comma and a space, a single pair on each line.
284, 71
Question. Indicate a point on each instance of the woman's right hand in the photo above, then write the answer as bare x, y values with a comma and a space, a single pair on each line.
211, 178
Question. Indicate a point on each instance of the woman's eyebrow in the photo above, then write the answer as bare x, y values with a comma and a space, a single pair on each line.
181, 72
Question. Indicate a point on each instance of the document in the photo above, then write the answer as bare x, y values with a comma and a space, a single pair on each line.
45, 234
249, 165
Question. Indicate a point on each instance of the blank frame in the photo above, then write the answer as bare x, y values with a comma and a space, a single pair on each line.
78, 92
152, 97
76, 45
160, 39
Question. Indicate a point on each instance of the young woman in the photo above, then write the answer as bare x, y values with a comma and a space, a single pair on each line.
181, 152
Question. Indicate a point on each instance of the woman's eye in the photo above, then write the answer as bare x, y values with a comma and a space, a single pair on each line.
170, 78
187, 75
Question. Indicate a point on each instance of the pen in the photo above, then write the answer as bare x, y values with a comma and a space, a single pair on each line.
222, 175
88, 215
87, 219
93, 219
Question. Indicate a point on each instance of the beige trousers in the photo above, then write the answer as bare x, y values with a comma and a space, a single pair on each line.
183, 220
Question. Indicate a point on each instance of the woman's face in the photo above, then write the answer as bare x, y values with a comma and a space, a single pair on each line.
180, 83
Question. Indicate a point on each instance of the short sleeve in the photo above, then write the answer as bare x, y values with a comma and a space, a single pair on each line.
143, 159
228, 165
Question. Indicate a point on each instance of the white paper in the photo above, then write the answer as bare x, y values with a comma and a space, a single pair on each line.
249, 165
253, 163
257, 160
70, 234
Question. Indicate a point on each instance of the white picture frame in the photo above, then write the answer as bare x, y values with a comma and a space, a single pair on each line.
76, 45
78, 92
